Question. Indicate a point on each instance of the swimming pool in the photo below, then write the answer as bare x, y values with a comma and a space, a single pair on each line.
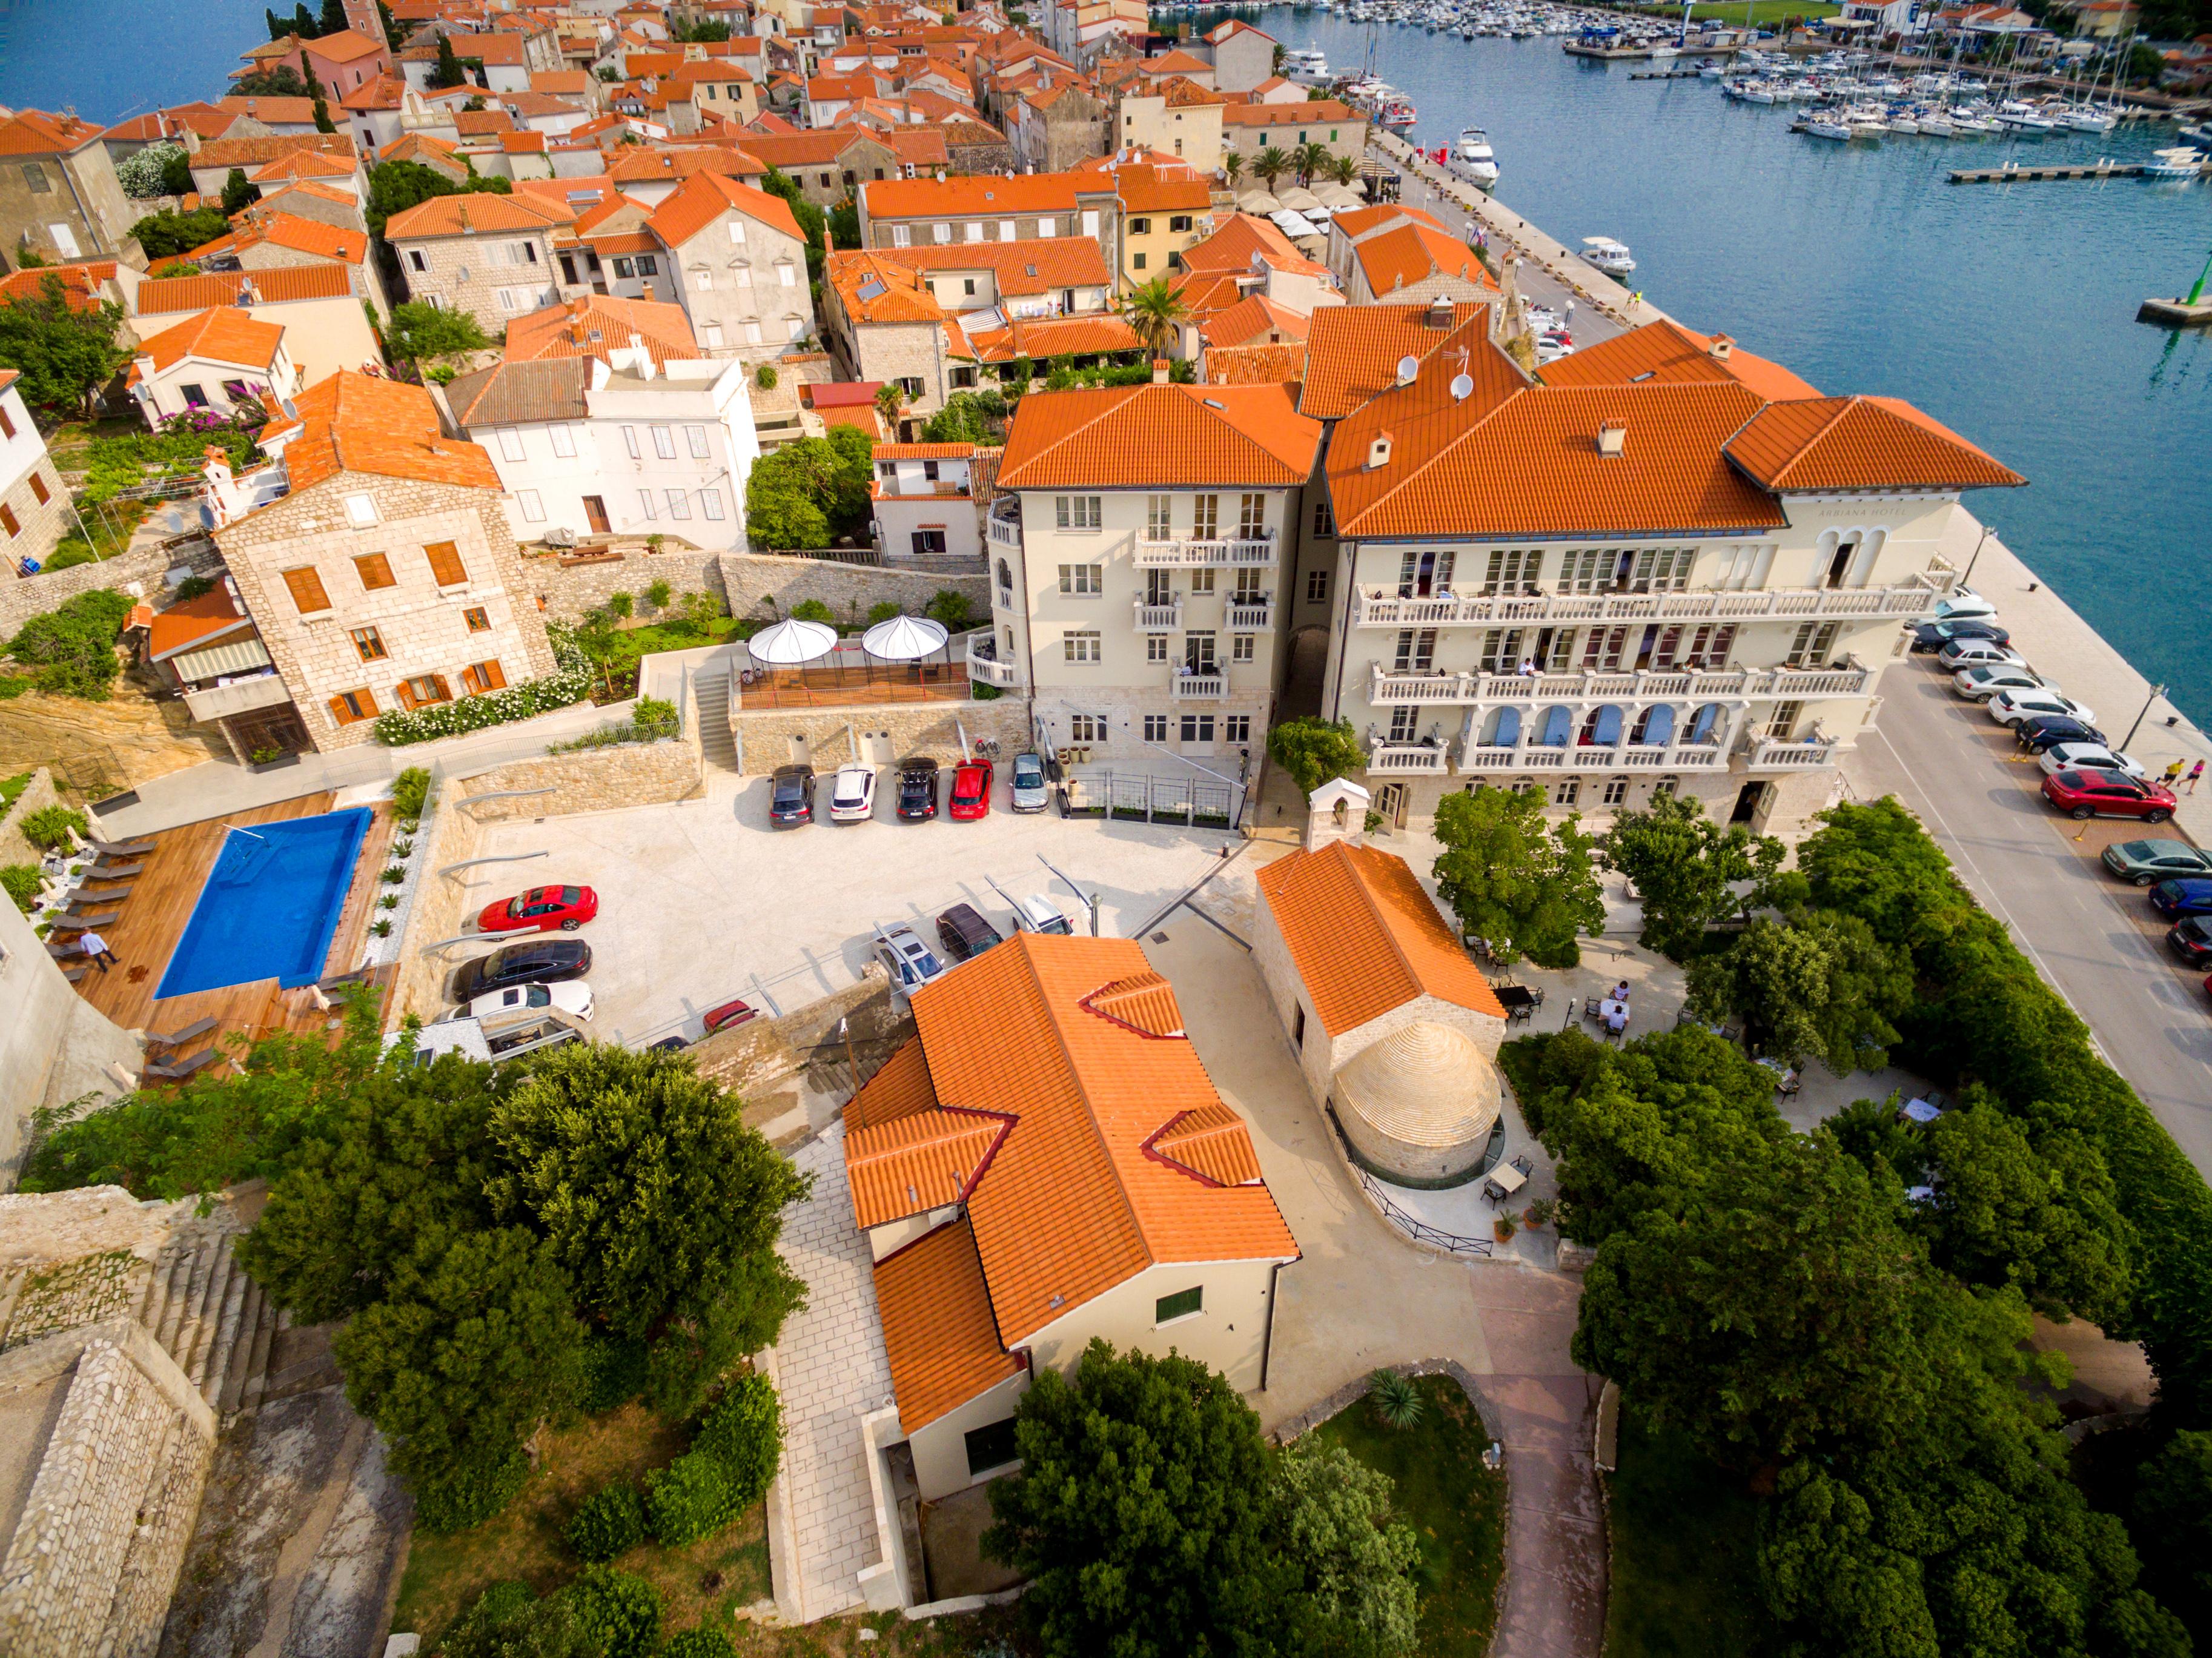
270, 906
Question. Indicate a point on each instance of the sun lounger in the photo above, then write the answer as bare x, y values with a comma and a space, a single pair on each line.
121, 848
180, 1069
73, 974
86, 923
178, 1037
104, 871
112, 895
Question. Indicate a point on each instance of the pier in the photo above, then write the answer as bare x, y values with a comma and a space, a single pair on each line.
2012, 172
1666, 75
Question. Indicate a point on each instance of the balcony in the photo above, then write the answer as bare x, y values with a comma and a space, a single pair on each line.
1159, 618
1381, 610
985, 669
1637, 756
1387, 688
1201, 554
1005, 523
1208, 687
1252, 616
1768, 754
239, 697
1408, 759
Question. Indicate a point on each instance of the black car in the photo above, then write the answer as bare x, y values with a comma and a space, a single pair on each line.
539, 961
965, 932
1931, 636
917, 787
791, 795
2190, 938
2042, 730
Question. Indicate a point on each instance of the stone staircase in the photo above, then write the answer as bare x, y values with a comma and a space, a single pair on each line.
212, 1319
718, 745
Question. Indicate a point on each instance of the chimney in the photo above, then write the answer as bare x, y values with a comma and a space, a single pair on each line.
225, 501
1719, 347
1160, 371
1378, 451
1439, 314
1612, 437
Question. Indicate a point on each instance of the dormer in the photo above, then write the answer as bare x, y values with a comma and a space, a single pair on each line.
1612, 439
1378, 451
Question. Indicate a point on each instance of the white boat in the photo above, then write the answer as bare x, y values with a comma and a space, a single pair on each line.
1473, 159
2084, 119
1833, 130
1306, 65
2024, 118
1938, 126
1607, 255
2182, 162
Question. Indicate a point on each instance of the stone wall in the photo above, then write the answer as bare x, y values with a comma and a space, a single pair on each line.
930, 728
22, 598
567, 591
595, 779
750, 581
37, 794
451, 836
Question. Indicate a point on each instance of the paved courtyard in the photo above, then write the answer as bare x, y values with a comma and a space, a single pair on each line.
699, 899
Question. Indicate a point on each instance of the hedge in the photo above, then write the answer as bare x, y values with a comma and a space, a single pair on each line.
618, 1609
611, 1522
398, 727
690, 1498
745, 1434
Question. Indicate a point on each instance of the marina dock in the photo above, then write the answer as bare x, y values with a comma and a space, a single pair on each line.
2013, 172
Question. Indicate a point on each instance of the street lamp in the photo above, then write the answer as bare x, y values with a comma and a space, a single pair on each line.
2156, 691
1988, 530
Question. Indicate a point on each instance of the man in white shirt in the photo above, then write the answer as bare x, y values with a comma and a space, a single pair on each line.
96, 951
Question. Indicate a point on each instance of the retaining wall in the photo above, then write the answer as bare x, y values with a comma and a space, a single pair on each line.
595, 779
931, 728
750, 580
37, 794
24, 597
568, 590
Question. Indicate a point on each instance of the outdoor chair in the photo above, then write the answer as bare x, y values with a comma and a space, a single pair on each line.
74, 923
177, 1070
105, 870
119, 849
178, 1037
116, 896
73, 974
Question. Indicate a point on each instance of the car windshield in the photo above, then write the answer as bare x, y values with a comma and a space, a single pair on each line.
514, 905
1029, 771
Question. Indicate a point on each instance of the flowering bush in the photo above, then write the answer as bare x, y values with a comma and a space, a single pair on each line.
571, 683
141, 175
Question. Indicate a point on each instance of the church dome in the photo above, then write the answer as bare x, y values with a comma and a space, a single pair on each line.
1420, 1102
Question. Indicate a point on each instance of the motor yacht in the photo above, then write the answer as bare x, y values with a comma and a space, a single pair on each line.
1607, 255
1473, 159
2024, 118
2182, 162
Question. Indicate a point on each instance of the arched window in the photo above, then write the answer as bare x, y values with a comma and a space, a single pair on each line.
1601, 727
1654, 726
1006, 577
1558, 726
1503, 730
1705, 725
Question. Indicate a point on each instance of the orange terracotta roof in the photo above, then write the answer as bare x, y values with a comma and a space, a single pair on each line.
35, 132
81, 284
1056, 336
1145, 1002
1415, 253
478, 213
923, 450
251, 152
1138, 436
1149, 190
1075, 1202
352, 422
1255, 364
1363, 220
307, 189
1242, 242
1032, 267
258, 224
1254, 318
597, 323
1365, 936
939, 1332
1211, 1143
1177, 62
1352, 351
859, 417
192, 621
634, 166
872, 289
901, 1088
343, 48
1281, 115
932, 199
1665, 350
198, 117
481, 123
271, 111
705, 197
168, 295
224, 334
1826, 444
924, 1161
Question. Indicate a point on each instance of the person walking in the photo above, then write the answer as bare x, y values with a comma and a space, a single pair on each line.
96, 951
2195, 772
2172, 775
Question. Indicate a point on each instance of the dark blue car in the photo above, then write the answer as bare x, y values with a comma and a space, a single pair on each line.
1929, 636
2175, 899
2044, 729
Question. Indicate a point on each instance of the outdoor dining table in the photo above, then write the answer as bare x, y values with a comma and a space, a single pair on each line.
1518, 1000
1504, 1181
1921, 1110
1609, 1008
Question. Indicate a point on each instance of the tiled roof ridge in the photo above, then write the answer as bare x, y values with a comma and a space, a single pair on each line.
1845, 405
1005, 1119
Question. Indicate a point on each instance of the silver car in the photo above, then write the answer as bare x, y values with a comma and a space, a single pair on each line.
1031, 793
1978, 685
1963, 653
2086, 756
910, 962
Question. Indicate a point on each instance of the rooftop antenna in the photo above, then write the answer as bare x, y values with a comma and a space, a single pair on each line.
1409, 370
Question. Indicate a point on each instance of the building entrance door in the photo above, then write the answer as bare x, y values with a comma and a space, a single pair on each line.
595, 515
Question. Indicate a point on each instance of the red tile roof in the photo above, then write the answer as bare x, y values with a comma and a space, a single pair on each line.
1415, 253
1155, 435
1824, 444
82, 284
352, 422
278, 286
192, 622
705, 197
478, 213
224, 334
1255, 318
1352, 352
35, 132
939, 1332
597, 323
932, 199
1056, 336
1665, 350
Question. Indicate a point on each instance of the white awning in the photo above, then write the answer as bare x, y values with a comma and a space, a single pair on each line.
221, 660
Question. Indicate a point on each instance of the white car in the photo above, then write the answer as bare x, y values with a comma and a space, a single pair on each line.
1963, 653
571, 996
910, 962
1038, 913
2011, 707
853, 796
1975, 683
1963, 603
2087, 756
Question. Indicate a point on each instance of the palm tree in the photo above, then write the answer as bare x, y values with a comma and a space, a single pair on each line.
1231, 164
1308, 158
1155, 311
890, 400
1346, 168
1271, 164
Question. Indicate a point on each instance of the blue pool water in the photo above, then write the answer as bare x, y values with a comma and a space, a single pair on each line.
270, 906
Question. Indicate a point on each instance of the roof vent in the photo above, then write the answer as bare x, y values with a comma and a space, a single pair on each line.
1409, 370
1212, 402
1378, 451
1462, 387
1719, 347
1638, 380
1612, 439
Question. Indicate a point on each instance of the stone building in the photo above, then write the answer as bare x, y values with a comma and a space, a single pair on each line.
738, 261
1248, 128
1052, 128
58, 194
1242, 56
938, 212
489, 256
376, 557
34, 507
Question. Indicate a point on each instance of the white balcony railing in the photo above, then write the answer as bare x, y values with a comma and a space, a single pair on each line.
1381, 610
1408, 759
985, 669
240, 696
1658, 757
1387, 688
1159, 618
1252, 616
1765, 753
1194, 555
1199, 687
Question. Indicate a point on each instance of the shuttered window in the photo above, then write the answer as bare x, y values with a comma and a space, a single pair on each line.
306, 586
38, 489
375, 571
446, 565
350, 706
424, 690
480, 676
8, 520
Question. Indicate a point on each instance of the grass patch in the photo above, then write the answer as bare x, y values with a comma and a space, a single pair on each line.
445, 1575
11, 789
1685, 1569
1455, 1506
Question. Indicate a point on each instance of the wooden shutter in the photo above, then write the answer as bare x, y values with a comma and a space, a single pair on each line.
38, 489
340, 713
306, 589
8, 521
406, 695
446, 565
375, 571
347, 706
486, 677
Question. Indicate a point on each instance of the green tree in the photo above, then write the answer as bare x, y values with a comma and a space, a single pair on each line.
1314, 751
303, 21
2173, 1520
393, 39
70, 649
333, 20
168, 232
1876, 862
1822, 984
1232, 164
1270, 164
1345, 169
1357, 1560
845, 224
64, 354
239, 192
322, 109
1143, 1512
507, 1621
282, 82
809, 493
177, 174
1527, 887
1684, 864
891, 402
812, 220
395, 186
448, 73
423, 333
1155, 310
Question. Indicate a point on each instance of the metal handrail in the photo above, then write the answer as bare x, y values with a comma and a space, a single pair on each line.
1420, 1230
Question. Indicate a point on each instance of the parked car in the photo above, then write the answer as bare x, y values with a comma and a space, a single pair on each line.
2107, 794
910, 962
791, 795
917, 787
853, 794
569, 996
1963, 605
2190, 938
1974, 653
541, 909
2175, 899
2043, 730
1038, 913
2087, 756
1929, 636
2146, 862
2010, 707
729, 1015
1979, 684
536, 961
971, 791
1029, 792
965, 932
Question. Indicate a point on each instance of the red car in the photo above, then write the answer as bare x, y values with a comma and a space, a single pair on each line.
971, 790
2107, 794
540, 910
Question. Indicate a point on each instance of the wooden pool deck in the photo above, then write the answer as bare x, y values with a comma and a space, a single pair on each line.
154, 917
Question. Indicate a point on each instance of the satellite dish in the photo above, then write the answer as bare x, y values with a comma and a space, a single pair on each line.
1462, 386
1409, 369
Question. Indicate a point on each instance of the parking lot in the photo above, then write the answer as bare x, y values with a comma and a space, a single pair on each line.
700, 901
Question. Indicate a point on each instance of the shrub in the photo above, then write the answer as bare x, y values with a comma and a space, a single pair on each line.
621, 603
882, 612
11, 789
470, 1492
614, 1371
949, 606
654, 714
381, 927
699, 1643
690, 1498
398, 727
142, 175
21, 883
656, 592
618, 1609
49, 828
390, 901
812, 609
508, 1621
765, 377
978, 692
72, 647
192, 586
410, 792
610, 1522
393, 874
69, 552
744, 1435
1396, 1399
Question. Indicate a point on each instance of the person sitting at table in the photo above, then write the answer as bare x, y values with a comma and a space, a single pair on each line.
1616, 1021
1620, 992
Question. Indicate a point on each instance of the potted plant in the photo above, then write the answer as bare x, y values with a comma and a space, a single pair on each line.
1503, 1228
267, 758
1540, 1211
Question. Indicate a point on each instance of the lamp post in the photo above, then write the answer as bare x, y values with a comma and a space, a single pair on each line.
1988, 530
2156, 691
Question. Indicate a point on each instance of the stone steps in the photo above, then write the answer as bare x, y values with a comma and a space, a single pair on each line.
213, 1320
717, 743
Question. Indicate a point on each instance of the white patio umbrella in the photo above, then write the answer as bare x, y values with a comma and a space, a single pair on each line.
789, 643
1298, 199
1336, 195
1257, 201
904, 639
